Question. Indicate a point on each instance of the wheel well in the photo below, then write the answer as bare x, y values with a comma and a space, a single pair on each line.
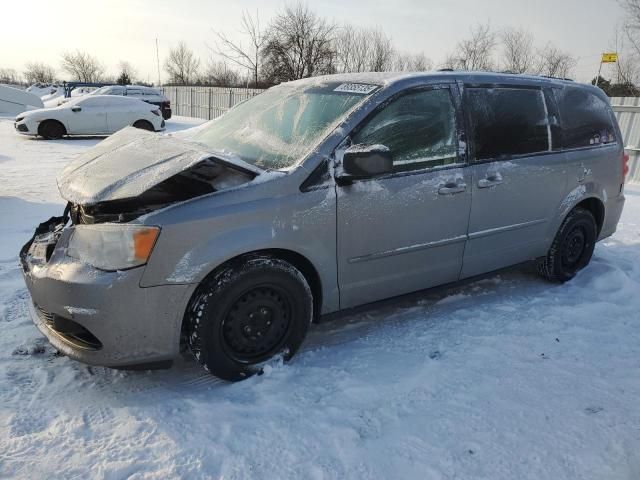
143, 120
51, 120
299, 261
596, 207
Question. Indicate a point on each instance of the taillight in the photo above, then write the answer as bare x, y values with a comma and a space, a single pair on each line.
625, 165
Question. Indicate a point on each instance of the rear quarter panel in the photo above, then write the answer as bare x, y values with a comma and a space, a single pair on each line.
601, 168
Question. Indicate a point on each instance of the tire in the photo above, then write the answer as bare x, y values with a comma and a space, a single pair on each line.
144, 125
246, 313
51, 130
572, 247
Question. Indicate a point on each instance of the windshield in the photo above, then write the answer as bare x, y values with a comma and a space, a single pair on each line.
274, 129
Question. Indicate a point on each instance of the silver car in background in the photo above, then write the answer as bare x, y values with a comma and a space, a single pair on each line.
141, 92
316, 196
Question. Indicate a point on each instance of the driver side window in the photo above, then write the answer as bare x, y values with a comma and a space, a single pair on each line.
419, 128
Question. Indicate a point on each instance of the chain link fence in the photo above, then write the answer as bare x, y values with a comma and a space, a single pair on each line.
206, 102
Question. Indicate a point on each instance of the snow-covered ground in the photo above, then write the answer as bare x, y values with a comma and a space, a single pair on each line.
508, 377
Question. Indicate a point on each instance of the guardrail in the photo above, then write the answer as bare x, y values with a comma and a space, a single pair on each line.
206, 102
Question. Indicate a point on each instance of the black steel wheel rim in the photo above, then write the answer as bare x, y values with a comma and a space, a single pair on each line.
256, 324
574, 246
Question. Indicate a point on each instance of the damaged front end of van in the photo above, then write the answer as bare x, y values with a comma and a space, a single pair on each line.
81, 268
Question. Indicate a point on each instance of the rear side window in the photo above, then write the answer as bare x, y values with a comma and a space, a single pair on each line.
419, 128
507, 122
586, 118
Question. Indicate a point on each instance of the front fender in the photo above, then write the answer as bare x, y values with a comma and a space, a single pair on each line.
303, 223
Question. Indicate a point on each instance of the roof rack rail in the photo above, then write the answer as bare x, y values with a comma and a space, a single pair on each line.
557, 78
445, 70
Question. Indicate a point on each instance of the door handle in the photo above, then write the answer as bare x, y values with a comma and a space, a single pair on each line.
451, 188
490, 181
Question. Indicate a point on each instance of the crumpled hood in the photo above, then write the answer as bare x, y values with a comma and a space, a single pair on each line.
130, 162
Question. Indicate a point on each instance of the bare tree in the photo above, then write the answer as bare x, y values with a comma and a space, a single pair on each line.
517, 50
371, 50
553, 62
219, 74
37, 72
344, 44
406, 62
381, 51
9, 75
475, 52
82, 66
244, 57
353, 48
632, 23
128, 73
299, 45
182, 65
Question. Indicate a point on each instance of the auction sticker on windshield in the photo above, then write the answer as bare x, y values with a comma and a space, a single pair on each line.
362, 88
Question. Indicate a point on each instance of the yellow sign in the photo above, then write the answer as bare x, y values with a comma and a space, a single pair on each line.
609, 57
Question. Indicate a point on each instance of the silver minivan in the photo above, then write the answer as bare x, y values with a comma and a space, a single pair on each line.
316, 196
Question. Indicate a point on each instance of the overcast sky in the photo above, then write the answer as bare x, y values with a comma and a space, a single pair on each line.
40, 30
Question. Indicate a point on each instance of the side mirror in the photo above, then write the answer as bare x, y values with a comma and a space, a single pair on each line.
364, 161
76, 109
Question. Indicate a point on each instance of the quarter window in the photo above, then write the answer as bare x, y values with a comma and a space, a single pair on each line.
507, 121
419, 129
586, 119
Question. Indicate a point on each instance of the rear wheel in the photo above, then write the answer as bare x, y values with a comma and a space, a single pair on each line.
572, 247
51, 130
144, 125
247, 313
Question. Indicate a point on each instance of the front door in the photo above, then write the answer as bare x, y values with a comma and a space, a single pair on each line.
88, 118
519, 175
407, 230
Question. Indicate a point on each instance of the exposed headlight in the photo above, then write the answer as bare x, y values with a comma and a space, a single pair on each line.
19, 119
156, 112
112, 246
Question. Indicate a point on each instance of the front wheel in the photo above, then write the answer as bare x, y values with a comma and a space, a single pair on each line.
247, 313
572, 247
51, 130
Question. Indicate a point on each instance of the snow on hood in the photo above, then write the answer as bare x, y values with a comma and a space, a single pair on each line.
130, 162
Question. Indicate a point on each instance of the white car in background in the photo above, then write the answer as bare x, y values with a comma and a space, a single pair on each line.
42, 89
90, 115
146, 94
